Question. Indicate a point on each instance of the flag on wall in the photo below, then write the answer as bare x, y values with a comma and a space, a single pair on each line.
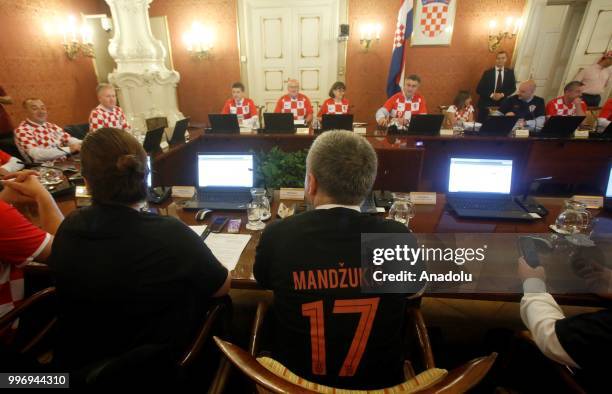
403, 30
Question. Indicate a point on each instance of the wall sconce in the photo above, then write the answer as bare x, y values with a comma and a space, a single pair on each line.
199, 40
369, 34
77, 40
509, 31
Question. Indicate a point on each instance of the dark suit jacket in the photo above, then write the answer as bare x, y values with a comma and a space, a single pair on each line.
487, 85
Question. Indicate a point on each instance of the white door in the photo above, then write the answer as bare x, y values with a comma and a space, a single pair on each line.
289, 39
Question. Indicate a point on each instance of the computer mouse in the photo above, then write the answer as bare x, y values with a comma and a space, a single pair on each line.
201, 214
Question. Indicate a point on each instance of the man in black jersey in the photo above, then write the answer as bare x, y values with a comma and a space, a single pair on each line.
326, 329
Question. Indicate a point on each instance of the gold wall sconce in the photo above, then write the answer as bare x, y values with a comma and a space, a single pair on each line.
199, 40
369, 35
76, 39
498, 34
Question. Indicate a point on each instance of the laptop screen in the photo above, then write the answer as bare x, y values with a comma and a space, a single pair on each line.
609, 188
480, 176
225, 170
150, 173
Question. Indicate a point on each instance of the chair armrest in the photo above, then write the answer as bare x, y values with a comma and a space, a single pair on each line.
260, 314
257, 372
192, 352
415, 314
463, 378
25, 306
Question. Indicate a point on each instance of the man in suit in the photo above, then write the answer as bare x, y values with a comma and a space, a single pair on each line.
495, 84
312, 263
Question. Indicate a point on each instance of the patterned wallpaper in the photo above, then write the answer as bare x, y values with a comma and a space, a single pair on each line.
35, 65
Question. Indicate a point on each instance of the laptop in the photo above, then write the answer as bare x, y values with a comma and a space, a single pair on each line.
279, 123
159, 194
606, 134
608, 197
495, 126
224, 181
480, 188
425, 124
224, 123
337, 122
152, 140
178, 135
561, 126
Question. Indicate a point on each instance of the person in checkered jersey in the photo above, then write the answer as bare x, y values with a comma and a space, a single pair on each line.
39, 140
570, 104
400, 107
107, 113
336, 104
295, 102
241, 106
20, 241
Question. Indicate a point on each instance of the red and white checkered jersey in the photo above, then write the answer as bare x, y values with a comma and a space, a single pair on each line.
100, 118
299, 106
245, 108
398, 106
20, 243
557, 107
42, 142
462, 114
331, 107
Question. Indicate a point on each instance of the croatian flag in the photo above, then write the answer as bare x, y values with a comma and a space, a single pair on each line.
402, 31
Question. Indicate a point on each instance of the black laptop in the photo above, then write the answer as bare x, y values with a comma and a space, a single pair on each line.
224, 123
158, 194
495, 126
608, 196
152, 140
337, 122
178, 135
278, 123
480, 188
425, 124
561, 126
604, 135
224, 181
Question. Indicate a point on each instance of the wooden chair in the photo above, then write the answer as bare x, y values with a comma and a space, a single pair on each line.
460, 379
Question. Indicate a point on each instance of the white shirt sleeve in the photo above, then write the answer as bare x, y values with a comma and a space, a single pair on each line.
13, 165
39, 154
381, 113
539, 312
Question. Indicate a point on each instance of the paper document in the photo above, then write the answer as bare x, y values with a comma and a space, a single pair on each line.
198, 229
227, 248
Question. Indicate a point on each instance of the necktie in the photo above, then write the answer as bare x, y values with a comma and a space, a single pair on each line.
498, 84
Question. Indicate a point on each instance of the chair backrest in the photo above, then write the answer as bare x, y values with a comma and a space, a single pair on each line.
77, 130
399, 169
156, 123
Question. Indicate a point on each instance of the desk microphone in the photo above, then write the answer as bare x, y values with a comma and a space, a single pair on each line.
528, 203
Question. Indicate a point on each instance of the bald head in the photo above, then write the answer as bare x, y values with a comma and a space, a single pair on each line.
293, 87
526, 90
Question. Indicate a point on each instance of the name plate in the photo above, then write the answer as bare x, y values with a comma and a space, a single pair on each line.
291, 193
303, 130
591, 202
183, 191
359, 130
521, 133
581, 134
423, 198
246, 130
447, 132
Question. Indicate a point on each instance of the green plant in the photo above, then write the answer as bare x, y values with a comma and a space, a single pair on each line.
277, 168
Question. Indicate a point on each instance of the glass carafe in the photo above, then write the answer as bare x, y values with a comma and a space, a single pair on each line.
574, 219
259, 196
402, 209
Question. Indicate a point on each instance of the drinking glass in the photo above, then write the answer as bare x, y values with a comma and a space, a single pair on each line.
259, 196
254, 217
575, 219
402, 209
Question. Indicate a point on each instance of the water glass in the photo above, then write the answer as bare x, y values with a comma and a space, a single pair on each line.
254, 211
402, 209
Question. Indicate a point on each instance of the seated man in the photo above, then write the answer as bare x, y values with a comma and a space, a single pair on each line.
295, 102
20, 241
605, 116
241, 106
340, 171
107, 113
39, 140
525, 105
9, 163
400, 107
570, 104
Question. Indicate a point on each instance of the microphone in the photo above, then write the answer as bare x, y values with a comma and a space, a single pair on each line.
528, 203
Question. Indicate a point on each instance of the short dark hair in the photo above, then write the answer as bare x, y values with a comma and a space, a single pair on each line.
115, 166
25, 102
502, 52
573, 84
238, 85
414, 77
461, 98
336, 85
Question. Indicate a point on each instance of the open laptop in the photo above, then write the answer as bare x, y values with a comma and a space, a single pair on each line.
224, 123
337, 122
152, 140
606, 134
608, 197
224, 181
425, 124
480, 188
178, 135
561, 126
279, 123
495, 126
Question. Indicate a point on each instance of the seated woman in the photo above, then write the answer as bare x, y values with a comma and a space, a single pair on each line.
127, 280
462, 109
336, 104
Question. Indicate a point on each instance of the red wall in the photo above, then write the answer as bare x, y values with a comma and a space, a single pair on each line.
33, 64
